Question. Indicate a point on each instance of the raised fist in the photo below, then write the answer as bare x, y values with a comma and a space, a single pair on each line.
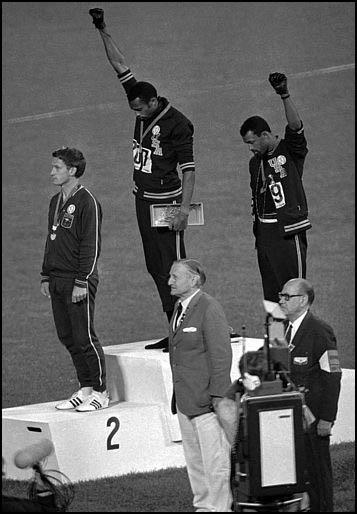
279, 82
98, 17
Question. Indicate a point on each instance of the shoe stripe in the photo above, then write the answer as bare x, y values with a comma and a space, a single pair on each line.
76, 401
95, 403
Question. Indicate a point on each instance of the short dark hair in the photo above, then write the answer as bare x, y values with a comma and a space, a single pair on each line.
256, 124
72, 158
254, 363
195, 268
142, 90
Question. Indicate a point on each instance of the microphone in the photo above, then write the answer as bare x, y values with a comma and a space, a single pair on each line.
33, 454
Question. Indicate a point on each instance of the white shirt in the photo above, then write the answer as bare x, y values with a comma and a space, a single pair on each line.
296, 324
184, 304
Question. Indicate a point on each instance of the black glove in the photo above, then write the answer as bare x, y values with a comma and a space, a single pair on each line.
279, 83
98, 17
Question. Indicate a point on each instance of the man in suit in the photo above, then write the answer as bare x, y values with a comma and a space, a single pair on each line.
315, 370
201, 359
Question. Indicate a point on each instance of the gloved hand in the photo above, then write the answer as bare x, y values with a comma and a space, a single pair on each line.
98, 17
280, 83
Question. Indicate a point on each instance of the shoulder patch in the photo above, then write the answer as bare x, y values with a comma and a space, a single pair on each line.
330, 362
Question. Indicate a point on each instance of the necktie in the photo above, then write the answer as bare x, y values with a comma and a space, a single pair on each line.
178, 314
288, 334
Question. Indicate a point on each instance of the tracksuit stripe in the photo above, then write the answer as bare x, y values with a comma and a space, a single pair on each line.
126, 77
96, 233
187, 166
178, 252
298, 255
301, 225
160, 196
91, 340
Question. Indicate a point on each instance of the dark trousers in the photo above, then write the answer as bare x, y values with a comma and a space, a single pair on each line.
319, 470
75, 329
280, 259
160, 251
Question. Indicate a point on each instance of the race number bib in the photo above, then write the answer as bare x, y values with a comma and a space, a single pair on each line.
277, 193
142, 159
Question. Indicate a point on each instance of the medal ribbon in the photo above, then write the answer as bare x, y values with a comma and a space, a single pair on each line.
56, 215
143, 134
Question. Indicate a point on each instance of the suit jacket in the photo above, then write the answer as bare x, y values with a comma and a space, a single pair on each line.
200, 356
314, 365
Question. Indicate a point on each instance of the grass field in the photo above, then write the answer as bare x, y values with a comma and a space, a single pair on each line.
211, 60
169, 490
59, 71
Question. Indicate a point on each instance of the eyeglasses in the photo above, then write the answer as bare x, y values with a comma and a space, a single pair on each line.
287, 296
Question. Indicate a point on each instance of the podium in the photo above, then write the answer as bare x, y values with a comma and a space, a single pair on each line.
137, 432
139, 375
143, 376
125, 438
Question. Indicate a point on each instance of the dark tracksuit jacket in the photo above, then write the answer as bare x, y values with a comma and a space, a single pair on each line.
76, 248
280, 212
161, 145
70, 258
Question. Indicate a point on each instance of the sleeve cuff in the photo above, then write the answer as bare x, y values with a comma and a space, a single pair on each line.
81, 283
187, 166
127, 79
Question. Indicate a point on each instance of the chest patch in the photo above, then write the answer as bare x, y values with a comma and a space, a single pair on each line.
300, 361
67, 220
155, 140
276, 163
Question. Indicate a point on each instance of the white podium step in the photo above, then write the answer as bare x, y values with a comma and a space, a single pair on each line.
136, 374
139, 375
126, 437
137, 433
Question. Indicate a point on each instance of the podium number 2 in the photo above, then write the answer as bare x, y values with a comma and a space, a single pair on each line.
110, 444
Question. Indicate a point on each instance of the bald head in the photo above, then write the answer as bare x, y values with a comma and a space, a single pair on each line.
296, 297
302, 286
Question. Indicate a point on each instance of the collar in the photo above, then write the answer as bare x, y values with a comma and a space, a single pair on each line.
70, 193
152, 122
277, 141
296, 324
186, 301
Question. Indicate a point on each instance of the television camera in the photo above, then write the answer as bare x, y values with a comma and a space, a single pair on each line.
268, 468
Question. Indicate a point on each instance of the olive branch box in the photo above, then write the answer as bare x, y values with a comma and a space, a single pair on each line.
161, 214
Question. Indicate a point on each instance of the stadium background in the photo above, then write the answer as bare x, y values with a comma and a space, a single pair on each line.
211, 60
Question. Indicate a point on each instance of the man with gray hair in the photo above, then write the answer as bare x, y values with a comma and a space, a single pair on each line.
201, 360
315, 371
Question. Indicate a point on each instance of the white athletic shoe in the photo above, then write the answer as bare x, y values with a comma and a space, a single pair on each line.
75, 400
94, 401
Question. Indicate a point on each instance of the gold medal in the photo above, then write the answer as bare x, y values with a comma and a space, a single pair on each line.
53, 236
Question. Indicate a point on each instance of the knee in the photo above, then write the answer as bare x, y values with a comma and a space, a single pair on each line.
66, 339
